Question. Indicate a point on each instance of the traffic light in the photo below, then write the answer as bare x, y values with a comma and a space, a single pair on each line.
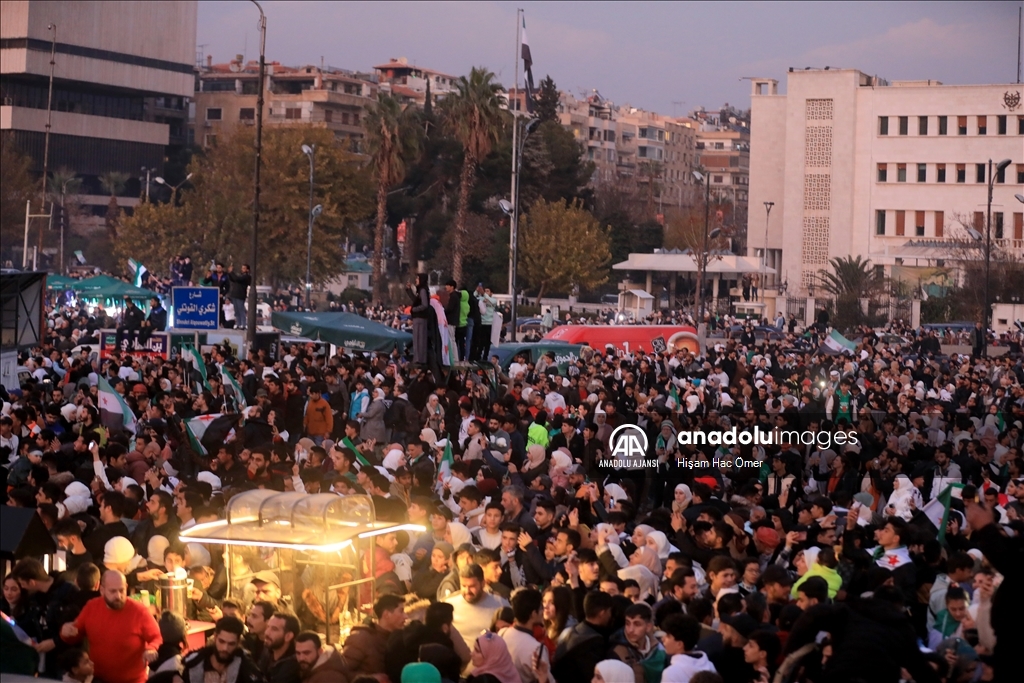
60, 218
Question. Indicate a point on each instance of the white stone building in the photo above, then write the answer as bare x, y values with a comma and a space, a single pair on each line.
893, 171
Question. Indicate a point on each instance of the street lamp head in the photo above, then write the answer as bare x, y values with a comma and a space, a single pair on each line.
1019, 198
307, 150
975, 235
769, 205
317, 210
159, 181
505, 206
531, 125
1001, 166
188, 177
715, 233
698, 176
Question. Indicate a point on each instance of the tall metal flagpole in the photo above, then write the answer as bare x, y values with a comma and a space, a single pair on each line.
514, 218
250, 331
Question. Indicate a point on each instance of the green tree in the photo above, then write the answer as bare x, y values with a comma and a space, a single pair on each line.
394, 140
547, 101
113, 182
850, 276
214, 217
16, 187
474, 116
563, 248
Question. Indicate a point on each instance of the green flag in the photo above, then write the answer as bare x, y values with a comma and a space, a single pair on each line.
193, 358
231, 385
937, 510
363, 462
444, 469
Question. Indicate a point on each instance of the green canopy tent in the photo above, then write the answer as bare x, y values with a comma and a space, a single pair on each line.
107, 287
347, 330
59, 282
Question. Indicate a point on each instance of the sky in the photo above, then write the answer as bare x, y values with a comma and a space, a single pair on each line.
665, 57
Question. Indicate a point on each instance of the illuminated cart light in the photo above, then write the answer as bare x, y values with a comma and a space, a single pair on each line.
322, 542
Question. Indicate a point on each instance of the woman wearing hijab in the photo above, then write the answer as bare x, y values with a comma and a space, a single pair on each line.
657, 541
420, 672
373, 421
433, 414
611, 671
905, 498
492, 662
640, 534
646, 557
536, 464
682, 497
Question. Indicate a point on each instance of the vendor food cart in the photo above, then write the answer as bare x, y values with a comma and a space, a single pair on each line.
313, 553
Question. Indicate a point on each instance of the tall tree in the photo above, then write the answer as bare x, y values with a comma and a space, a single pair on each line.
16, 186
474, 116
393, 138
850, 277
213, 219
113, 182
563, 248
547, 100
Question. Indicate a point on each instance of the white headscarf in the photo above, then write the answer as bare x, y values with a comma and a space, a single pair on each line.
659, 542
904, 493
614, 671
460, 534
643, 576
616, 492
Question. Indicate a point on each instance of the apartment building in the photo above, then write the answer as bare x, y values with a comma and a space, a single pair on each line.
893, 171
409, 82
325, 96
121, 85
626, 142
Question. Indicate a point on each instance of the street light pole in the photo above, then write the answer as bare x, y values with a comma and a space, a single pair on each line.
987, 313
250, 328
147, 171
310, 152
702, 263
764, 256
174, 188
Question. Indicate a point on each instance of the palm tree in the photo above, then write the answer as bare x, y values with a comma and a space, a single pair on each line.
393, 137
850, 276
474, 116
113, 182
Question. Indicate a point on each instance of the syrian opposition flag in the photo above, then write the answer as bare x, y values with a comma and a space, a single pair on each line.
138, 272
527, 67
937, 510
836, 343
360, 458
892, 559
194, 360
208, 432
231, 384
114, 412
444, 469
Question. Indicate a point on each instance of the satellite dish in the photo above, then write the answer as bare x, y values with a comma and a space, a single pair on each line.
505, 206
234, 67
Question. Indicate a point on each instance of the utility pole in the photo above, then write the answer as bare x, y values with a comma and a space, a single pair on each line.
250, 328
764, 257
513, 237
46, 137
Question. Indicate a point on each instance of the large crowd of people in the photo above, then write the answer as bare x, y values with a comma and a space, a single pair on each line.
876, 536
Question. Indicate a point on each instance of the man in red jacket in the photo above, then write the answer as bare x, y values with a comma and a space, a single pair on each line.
123, 637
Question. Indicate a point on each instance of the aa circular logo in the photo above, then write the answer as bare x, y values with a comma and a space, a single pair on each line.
628, 442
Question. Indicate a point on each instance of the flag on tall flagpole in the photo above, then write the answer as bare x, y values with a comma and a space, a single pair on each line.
231, 384
138, 271
527, 67
836, 343
444, 468
937, 509
114, 412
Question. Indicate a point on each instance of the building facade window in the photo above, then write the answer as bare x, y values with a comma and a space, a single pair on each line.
997, 225
247, 114
901, 173
979, 172
904, 125
982, 125
961, 125
922, 125
883, 172
1020, 125
880, 222
939, 223
293, 113
883, 125
328, 115
943, 125
213, 114
961, 173
901, 223
922, 173
919, 223
940, 173
1001, 124
1020, 174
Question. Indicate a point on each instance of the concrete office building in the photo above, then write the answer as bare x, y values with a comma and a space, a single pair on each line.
892, 171
123, 74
